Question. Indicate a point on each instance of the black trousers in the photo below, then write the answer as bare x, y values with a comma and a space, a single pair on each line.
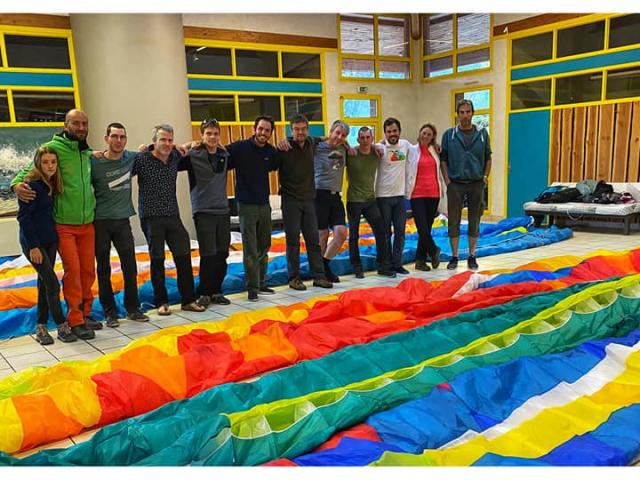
300, 216
394, 212
48, 285
214, 237
119, 233
157, 231
425, 211
371, 212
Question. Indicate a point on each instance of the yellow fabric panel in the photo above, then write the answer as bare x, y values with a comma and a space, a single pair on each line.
11, 433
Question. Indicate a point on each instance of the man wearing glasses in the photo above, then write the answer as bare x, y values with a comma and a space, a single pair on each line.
111, 179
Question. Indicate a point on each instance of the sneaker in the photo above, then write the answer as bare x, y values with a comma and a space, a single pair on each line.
422, 266
359, 273
387, 273
65, 334
220, 299
253, 295
266, 291
331, 277
401, 270
472, 263
137, 317
453, 263
204, 301
435, 258
83, 332
297, 284
42, 335
322, 283
112, 321
92, 324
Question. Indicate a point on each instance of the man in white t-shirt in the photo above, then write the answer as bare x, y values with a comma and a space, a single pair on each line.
390, 189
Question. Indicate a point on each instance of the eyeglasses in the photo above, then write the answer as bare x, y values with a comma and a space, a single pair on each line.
211, 122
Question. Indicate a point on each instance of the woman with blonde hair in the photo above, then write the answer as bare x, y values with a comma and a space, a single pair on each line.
39, 242
426, 189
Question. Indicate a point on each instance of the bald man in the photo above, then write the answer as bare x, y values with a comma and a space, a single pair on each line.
73, 212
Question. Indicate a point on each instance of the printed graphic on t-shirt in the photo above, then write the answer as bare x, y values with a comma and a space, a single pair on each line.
396, 154
336, 158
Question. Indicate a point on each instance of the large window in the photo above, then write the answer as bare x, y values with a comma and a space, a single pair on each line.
25, 51
374, 47
481, 99
208, 61
361, 111
455, 43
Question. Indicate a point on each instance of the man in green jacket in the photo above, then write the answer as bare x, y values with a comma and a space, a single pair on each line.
73, 212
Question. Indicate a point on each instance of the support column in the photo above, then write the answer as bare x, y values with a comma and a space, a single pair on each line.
131, 69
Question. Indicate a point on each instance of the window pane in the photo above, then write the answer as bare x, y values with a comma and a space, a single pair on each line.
481, 98
438, 67
356, 108
252, 107
42, 106
255, 63
37, 52
585, 38
473, 60
438, 34
532, 49
353, 133
581, 88
4, 107
473, 29
624, 30
208, 61
356, 34
310, 107
393, 36
481, 121
352, 67
531, 95
212, 106
623, 83
300, 65
396, 70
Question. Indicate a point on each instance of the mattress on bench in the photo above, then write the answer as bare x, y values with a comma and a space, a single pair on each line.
577, 208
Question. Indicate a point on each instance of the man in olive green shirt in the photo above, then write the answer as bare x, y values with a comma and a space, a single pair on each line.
361, 201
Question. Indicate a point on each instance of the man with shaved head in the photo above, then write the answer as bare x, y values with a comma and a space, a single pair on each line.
73, 212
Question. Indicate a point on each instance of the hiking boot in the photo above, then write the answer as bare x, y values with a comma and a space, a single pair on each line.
472, 263
253, 295
422, 266
137, 316
83, 332
266, 291
435, 258
92, 324
358, 272
297, 284
453, 263
322, 283
204, 301
42, 335
401, 270
219, 299
65, 334
112, 321
332, 277
387, 273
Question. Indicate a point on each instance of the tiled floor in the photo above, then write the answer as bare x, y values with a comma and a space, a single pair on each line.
19, 353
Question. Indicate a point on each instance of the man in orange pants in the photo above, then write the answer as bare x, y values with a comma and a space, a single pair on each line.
73, 213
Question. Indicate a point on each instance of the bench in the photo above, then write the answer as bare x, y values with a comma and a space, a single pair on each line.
559, 213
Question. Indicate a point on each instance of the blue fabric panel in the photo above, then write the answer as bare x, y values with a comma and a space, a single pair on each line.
526, 276
350, 452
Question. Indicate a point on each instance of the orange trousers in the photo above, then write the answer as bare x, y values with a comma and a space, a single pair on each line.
76, 246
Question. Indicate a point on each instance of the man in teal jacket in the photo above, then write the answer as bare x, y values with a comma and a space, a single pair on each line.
466, 163
73, 212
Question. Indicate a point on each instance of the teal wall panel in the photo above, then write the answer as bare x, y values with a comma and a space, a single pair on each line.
237, 86
25, 79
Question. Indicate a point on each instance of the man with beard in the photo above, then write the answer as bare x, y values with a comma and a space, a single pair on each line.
466, 164
73, 213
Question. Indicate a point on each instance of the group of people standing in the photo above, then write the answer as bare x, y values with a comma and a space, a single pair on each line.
78, 202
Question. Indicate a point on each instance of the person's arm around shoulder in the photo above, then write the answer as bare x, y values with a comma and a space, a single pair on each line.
444, 156
487, 157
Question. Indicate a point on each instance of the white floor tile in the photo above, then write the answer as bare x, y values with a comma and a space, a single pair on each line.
134, 327
6, 372
171, 321
15, 342
107, 343
28, 348
82, 356
61, 350
41, 359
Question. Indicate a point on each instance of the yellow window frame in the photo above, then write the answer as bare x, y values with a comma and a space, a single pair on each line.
376, 57
375, 121
481, 111
37, 32
455, 51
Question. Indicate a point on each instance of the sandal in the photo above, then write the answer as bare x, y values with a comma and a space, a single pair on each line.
164, 310
193, 307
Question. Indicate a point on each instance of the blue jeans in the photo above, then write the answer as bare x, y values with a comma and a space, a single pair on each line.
394, 212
